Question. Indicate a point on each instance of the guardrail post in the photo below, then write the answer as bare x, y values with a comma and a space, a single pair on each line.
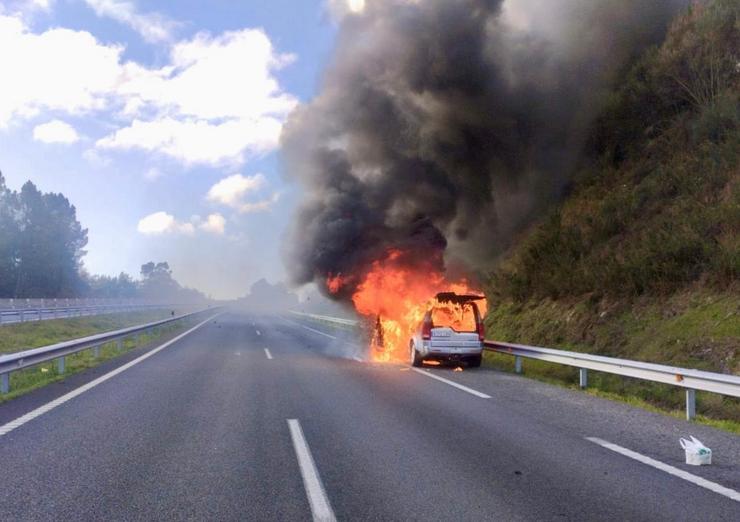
690, 404
583, 377
22, 315
60, 364
517, 364
96, 351
5, 383
119, 344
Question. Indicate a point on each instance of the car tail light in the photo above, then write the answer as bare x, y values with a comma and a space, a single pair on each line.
426, 330
481, 331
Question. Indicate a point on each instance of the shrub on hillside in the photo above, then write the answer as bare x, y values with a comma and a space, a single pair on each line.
660, 208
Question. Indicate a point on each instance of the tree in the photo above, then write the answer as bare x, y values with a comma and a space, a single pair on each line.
50, 245
158, 284
701, 53
8, 240
121, 286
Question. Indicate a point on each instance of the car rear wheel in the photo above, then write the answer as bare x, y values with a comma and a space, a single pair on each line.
416, 358
474, 362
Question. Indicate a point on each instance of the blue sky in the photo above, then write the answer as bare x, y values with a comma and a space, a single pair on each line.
160, 121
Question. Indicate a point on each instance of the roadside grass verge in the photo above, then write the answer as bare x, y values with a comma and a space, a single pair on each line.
712, 409
23, 336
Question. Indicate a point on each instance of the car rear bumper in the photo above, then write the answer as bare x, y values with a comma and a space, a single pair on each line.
453, 352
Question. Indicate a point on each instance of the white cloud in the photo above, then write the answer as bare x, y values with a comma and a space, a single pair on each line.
153, 173
231, 190
58, 70
153, 27
161, 222
94, 158
164, 110
55, 131
215, 224
27, 8
261, 205
341, 8
243, 111
194, 141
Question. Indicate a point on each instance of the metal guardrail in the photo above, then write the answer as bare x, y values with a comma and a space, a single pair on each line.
327, 318
690, 380
22, 315
20, 360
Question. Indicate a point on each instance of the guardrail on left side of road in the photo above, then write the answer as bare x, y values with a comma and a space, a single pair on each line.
22, 315
20, 360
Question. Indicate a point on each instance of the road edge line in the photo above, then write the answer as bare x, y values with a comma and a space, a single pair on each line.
453, 383
667, 468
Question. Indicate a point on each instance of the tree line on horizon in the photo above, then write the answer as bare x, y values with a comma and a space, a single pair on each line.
42, 245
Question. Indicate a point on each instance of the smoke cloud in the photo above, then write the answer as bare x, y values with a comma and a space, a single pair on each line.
444, 127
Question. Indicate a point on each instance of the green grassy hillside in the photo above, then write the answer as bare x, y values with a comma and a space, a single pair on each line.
642, 259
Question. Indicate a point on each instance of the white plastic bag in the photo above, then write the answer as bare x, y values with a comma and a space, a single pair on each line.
697, 454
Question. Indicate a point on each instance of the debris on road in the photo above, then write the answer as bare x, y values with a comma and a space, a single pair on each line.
697, 454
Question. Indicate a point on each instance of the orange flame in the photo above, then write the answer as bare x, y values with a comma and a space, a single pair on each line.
400, 296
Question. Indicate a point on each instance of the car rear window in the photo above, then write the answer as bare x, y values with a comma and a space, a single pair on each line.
459, 317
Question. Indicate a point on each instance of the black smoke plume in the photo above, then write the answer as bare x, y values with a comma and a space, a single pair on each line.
443, 127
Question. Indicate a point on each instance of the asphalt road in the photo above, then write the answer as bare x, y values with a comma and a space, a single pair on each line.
200, 431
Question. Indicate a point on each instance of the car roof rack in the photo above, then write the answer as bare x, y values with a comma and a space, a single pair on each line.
452, 297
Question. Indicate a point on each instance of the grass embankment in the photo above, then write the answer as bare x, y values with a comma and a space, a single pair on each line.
22, 336
642, 259
693, 329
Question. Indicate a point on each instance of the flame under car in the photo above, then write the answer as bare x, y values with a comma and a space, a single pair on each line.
452, 330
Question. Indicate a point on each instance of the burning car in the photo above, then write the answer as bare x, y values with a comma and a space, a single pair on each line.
451, 330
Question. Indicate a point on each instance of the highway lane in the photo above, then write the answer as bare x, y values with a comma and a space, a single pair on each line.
200, 431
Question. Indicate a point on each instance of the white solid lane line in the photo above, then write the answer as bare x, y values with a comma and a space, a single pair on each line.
20, 421
267, 353
452, 383
317, 499
704, 483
